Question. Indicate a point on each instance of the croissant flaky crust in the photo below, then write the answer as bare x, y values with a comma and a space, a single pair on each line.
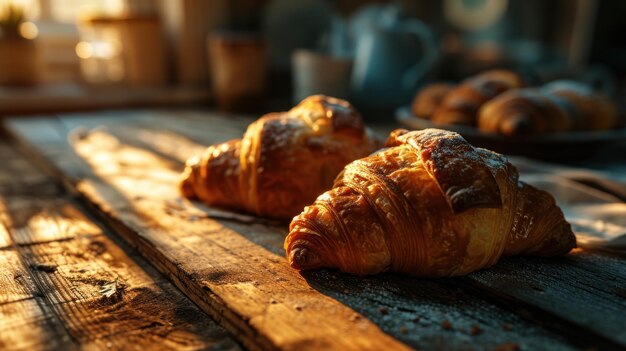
428, 205
283, 161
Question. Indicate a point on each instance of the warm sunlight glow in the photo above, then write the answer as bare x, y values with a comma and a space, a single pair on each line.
102, 49
50, 228
5, 240
68, 10
84, 50
29, 30
97, 49
31, 7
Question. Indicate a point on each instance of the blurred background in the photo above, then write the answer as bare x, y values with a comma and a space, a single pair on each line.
257, 55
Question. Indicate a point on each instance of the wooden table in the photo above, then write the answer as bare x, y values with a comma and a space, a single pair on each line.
79, 97
100, 252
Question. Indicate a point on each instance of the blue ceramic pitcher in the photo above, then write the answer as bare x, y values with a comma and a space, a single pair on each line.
392, 58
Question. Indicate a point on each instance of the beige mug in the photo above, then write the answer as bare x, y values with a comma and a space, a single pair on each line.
238, 70
317, 73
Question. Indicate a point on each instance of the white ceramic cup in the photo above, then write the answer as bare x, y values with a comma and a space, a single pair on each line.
316, 73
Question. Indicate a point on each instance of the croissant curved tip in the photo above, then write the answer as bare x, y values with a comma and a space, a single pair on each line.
303, 258
185, 183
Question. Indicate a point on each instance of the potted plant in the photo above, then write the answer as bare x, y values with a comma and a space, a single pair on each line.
19, 56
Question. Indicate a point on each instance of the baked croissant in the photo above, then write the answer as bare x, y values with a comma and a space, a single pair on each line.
461, 104
428, 205
557, 107
283, 161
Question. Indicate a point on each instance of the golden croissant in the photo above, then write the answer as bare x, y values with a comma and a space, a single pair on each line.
284, 160
428, 205
560, 106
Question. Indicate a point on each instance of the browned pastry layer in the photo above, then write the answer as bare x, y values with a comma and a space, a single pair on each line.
461, 104
283, 161
428, 205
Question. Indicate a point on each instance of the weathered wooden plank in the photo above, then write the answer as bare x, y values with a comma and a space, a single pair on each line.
38, 220
15, 284
25, 325
138, 128
86, 284
11, 184
588, 299
147, 313
105, 300
25, 322
75, 97
611, 264
220, 266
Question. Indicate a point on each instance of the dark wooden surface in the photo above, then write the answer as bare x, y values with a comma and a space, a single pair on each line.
76, 97
232, 265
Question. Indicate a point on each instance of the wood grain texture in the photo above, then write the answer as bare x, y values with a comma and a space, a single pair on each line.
15, 282
234, 267
589, 298
26, 322
106, 301
28, 325
99, 293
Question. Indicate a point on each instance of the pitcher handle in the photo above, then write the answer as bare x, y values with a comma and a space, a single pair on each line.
425, 35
